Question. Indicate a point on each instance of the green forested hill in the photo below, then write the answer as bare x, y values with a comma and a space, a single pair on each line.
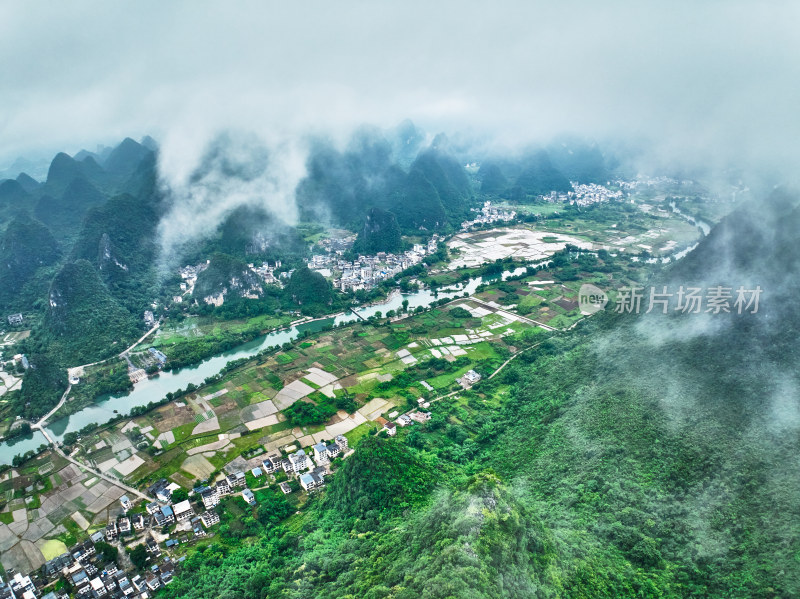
637, 456
118, 238
65, 213
83, 322
306, 287
226, 273
539, 176
25, 246
379, 234
343, 186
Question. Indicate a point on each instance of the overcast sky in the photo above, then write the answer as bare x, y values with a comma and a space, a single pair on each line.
706, 79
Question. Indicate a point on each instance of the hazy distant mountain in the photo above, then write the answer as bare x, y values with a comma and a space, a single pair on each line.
13, 195
35, 168
539, 176
64, 214
149, 143
82, 154
28, 183
343, 186
579, 161
64, 170
492, 179
447, 176
406, 140
126, 158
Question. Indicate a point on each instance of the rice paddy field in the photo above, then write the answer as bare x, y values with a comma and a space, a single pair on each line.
369, 371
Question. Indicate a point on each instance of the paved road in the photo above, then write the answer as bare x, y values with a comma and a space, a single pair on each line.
106, 477
142, 338
44, 418
520, 317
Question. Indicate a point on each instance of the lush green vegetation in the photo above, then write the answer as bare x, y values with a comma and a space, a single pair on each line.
226, 273
310, 289
379, 234
26, 246
84, 321
617, 460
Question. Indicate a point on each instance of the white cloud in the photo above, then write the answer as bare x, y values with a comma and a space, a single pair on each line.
711, 80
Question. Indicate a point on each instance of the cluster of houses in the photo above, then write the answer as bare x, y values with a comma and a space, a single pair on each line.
407, 419
337, 245
211, 496
586, 194
20, 587
189, 278
367, 271
267, 272
90, 576
311, 472
165, 513
488, 214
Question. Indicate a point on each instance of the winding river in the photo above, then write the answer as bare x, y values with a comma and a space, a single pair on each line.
154, 389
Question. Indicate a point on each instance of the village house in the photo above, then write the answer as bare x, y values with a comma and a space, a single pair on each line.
183, 510
333, 450
21, 584
310, 481
298, 462
390, 428
210, 497
138, 522
223, 487
138, 583
153, 582
126, 503
248, 496
124, 525
236, 480
166, 571
57, 565
470, 378
421, 417
112, 532
269, 466
404, 420
197, 526
167, 514
83, 551
321, 453
209, 518
98, 588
